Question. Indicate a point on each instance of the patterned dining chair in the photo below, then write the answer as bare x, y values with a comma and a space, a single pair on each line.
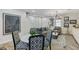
18, 44
36, 42
48, 39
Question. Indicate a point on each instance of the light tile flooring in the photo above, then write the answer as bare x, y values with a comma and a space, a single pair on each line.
64, 42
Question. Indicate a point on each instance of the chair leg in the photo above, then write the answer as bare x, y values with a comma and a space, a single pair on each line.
14, 41
50, 45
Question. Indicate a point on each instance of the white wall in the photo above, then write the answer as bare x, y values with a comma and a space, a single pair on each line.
45, 22
25, 24
72, 16
38, 22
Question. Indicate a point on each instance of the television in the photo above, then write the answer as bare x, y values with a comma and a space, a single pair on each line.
11, 23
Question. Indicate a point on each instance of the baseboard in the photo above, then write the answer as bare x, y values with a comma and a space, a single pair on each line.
65, 34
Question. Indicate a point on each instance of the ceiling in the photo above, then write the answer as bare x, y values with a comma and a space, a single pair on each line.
49, 12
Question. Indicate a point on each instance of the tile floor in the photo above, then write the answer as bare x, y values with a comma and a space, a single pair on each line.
64, 42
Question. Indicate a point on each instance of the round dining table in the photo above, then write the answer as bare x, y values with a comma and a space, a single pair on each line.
25, 38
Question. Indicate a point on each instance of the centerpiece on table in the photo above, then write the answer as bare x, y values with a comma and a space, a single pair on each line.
33, 33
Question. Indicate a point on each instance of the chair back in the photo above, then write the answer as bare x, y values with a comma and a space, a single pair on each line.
36, 42
49, 35
16, 38
49, 38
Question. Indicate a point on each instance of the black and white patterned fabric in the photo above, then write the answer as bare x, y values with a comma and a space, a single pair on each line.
36, 42
18, 44
22, 46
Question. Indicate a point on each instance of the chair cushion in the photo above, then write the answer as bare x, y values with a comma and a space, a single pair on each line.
22, 46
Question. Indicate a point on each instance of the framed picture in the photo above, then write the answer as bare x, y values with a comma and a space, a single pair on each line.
66, 21
73, 21
66, 25
66, 18
11, 23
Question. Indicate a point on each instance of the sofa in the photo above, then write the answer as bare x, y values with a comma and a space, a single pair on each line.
38, 30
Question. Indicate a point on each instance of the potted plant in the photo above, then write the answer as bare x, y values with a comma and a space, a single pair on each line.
32, 33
